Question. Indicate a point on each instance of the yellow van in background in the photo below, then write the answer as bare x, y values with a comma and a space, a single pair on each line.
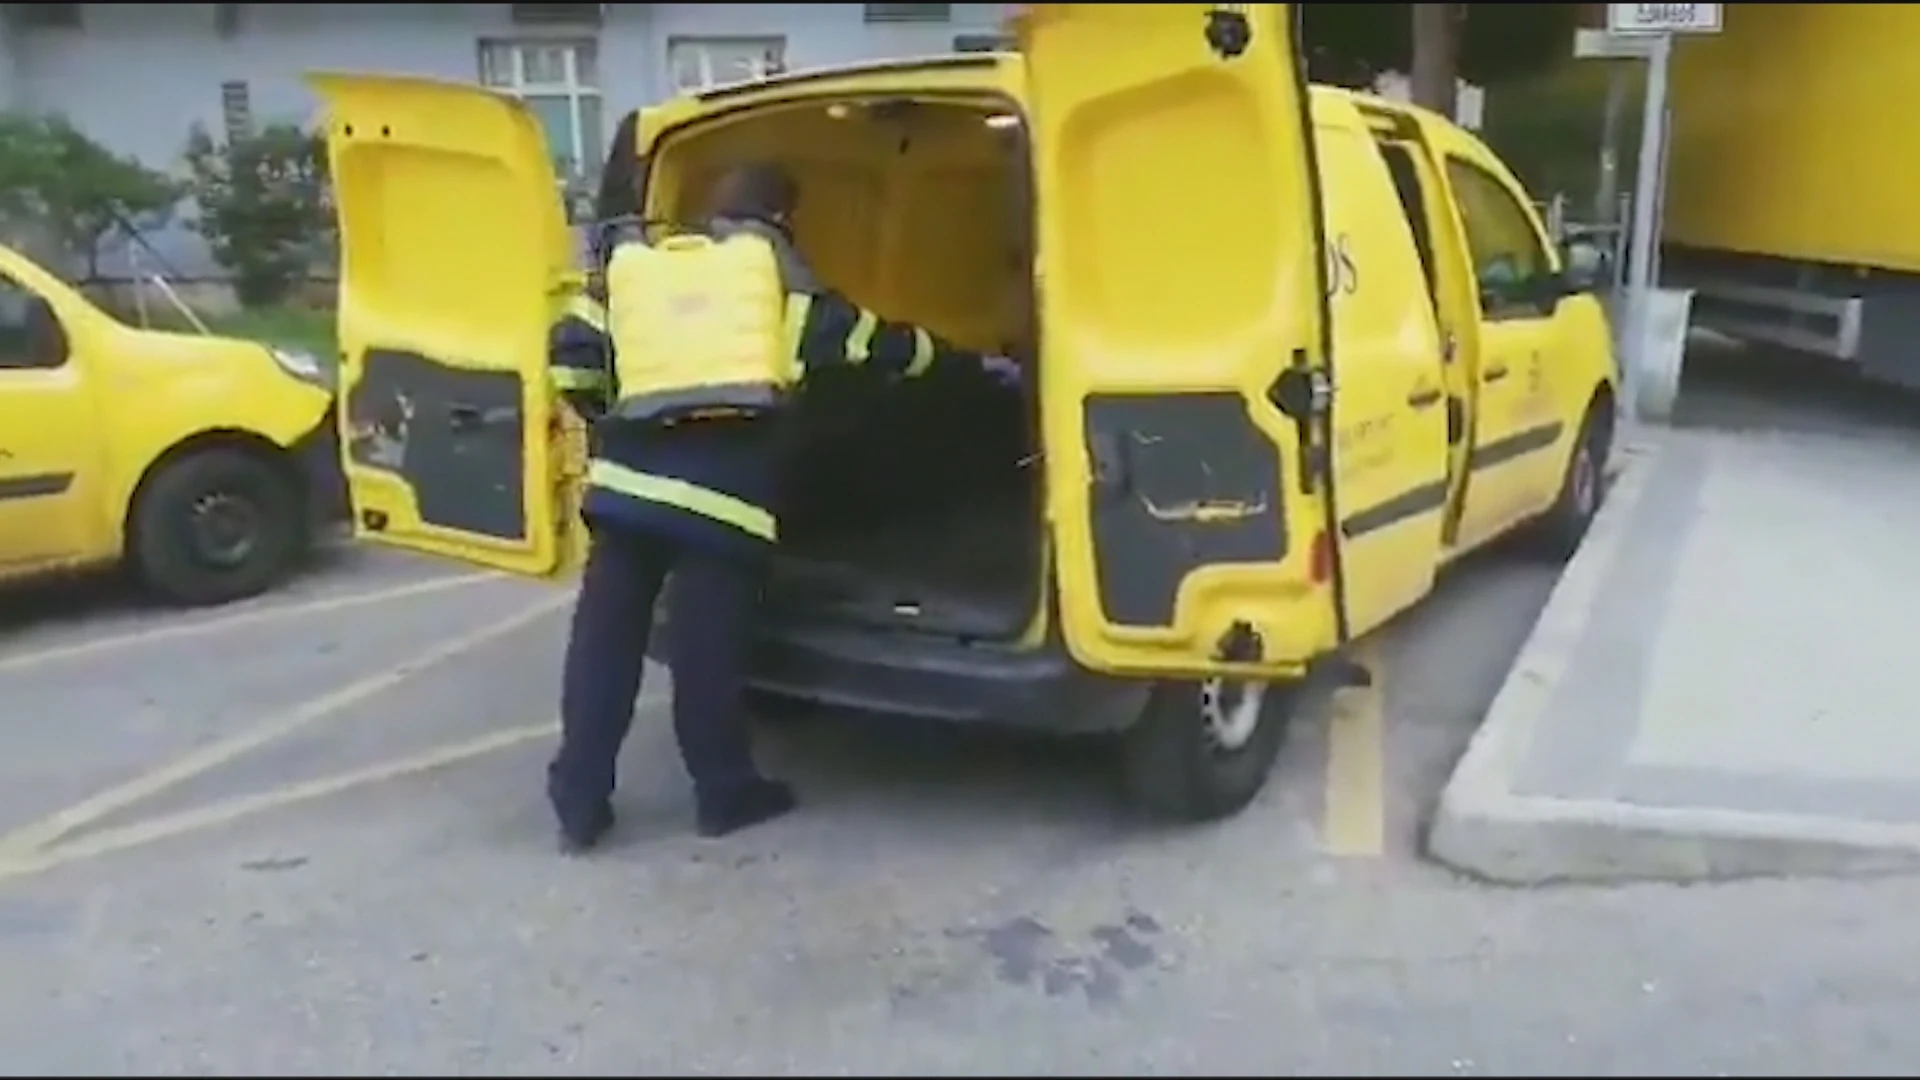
201, 463
1290, 352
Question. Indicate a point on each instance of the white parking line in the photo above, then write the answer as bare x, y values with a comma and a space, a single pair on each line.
230, 810
275, 613
30, 839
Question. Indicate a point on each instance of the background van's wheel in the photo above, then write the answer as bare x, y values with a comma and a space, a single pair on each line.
1202, 751
216, 525
1582, 489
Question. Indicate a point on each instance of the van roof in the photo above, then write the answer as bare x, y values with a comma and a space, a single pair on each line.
983, 61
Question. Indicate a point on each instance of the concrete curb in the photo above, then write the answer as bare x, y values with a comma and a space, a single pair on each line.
1483, 828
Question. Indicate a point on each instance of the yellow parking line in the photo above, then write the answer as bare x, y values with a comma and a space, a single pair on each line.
227, 811
31, 838
1355, 821
273, 613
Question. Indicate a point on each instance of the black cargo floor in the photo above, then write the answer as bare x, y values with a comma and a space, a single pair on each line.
967, 571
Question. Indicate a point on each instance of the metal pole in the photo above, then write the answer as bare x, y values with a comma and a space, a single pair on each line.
1660, 189
1606, 197
1646, 213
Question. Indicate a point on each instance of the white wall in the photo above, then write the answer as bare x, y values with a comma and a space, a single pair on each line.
135, 76
6, 65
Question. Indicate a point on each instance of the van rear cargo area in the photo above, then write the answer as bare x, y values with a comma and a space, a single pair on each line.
911, 504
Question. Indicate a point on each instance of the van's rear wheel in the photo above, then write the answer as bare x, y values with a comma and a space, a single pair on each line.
1201, 751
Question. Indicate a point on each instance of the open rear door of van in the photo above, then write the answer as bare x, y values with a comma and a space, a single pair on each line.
1184, 365
453, 245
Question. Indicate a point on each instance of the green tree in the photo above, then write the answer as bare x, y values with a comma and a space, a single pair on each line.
52, 176
1348, 44
264, 207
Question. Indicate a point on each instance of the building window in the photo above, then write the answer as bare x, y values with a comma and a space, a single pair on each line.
46, 16
236, 110
911, 13
705, 62
560, 82
984, 43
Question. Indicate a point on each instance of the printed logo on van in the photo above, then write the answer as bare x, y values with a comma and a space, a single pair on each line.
1343, 274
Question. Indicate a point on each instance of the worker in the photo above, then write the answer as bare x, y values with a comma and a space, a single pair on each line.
690, 505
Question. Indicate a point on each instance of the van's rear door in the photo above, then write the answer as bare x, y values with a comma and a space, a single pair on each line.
1184, 368
453, 244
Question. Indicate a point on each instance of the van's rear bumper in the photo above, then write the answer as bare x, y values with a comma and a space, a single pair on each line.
904, 673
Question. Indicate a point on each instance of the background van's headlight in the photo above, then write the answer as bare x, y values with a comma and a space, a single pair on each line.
303, 365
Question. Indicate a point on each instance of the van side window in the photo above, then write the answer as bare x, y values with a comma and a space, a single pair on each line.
1413, 203
1510, 263
24, 338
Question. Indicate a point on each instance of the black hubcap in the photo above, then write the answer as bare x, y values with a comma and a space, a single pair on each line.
223, 528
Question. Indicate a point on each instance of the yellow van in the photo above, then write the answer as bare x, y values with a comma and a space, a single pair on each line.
1291, 352
201, 463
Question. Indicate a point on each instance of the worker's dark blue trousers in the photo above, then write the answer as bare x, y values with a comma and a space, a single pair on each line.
710, 599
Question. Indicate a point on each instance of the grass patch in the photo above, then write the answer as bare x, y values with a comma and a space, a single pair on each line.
293, 326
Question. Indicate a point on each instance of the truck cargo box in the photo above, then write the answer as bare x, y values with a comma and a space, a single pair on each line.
1790, 203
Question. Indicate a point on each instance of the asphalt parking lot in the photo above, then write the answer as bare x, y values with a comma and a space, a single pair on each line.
340, 784
306, 836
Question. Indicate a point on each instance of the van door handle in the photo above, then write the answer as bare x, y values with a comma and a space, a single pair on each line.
1424, 399
1494, 375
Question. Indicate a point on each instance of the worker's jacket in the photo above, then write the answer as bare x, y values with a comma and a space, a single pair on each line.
713, 482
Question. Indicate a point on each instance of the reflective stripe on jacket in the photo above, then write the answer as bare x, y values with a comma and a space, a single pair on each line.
714, 480
753, 520
577, 355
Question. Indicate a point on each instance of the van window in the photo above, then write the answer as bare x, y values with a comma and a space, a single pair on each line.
1413, 203
18, 347
1374, 268
1510, 262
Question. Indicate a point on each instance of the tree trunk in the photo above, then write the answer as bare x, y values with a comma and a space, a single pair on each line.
1436, 56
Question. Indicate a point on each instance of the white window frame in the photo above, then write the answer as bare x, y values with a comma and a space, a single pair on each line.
236, 110
907, 13
572, 86
772, 60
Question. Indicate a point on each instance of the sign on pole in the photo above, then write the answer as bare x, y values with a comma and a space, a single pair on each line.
1663, 18
1657, 25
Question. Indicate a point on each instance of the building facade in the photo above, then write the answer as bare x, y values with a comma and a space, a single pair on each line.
136, 77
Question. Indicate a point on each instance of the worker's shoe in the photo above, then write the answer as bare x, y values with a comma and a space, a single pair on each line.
582, 833
751, 804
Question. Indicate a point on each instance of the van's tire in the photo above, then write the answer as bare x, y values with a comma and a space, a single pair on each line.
216, 525
1583, 488
1201, 751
